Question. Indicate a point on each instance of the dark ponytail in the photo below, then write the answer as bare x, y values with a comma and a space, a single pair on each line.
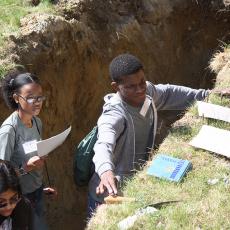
12, 83
8, 178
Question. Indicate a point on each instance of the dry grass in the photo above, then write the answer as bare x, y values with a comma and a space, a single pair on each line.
220, 60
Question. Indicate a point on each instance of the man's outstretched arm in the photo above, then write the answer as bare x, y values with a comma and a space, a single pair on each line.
110, 127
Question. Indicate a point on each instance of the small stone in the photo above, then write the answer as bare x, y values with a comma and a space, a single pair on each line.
213, 181
226, 180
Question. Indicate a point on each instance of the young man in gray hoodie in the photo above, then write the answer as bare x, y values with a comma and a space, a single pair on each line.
127, 125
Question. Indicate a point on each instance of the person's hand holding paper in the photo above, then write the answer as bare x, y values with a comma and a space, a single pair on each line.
34, 163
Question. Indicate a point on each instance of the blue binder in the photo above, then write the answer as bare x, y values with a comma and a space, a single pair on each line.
170, 168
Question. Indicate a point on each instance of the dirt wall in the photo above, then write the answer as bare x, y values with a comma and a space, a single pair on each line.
174, 40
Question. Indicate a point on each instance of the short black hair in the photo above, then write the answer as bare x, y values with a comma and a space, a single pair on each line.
124, 65
12, 83
8, 178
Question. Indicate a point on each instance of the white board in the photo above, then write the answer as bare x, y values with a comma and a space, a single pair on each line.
213, 111
213, 139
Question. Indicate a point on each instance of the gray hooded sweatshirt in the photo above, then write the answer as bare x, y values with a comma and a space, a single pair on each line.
115, 147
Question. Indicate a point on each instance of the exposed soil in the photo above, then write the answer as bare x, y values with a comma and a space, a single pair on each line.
174, 39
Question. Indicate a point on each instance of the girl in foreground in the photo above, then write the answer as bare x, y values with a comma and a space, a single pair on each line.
15, 212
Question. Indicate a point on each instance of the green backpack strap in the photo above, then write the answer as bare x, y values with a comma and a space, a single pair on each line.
83, 165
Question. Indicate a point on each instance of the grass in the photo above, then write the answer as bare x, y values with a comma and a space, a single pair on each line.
201, 206
11, 11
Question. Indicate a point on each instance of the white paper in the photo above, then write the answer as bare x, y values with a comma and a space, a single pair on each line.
213, 111
30, 146
48, 145
213, 139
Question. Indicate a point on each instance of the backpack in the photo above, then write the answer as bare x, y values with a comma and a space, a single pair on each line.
83, 166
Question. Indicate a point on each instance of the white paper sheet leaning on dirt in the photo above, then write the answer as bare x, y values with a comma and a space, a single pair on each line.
213, 139
213, 111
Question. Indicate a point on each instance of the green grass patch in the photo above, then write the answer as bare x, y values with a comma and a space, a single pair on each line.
11, 11
201, 205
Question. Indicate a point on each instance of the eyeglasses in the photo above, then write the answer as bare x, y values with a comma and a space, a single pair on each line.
34, 99
12, 201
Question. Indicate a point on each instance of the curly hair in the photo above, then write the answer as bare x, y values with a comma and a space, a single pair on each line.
12, 83
124, 65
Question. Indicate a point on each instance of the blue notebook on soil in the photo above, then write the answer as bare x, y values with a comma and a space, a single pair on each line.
170, 168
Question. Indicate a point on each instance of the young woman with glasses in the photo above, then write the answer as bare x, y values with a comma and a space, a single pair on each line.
15, 212
19, 133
